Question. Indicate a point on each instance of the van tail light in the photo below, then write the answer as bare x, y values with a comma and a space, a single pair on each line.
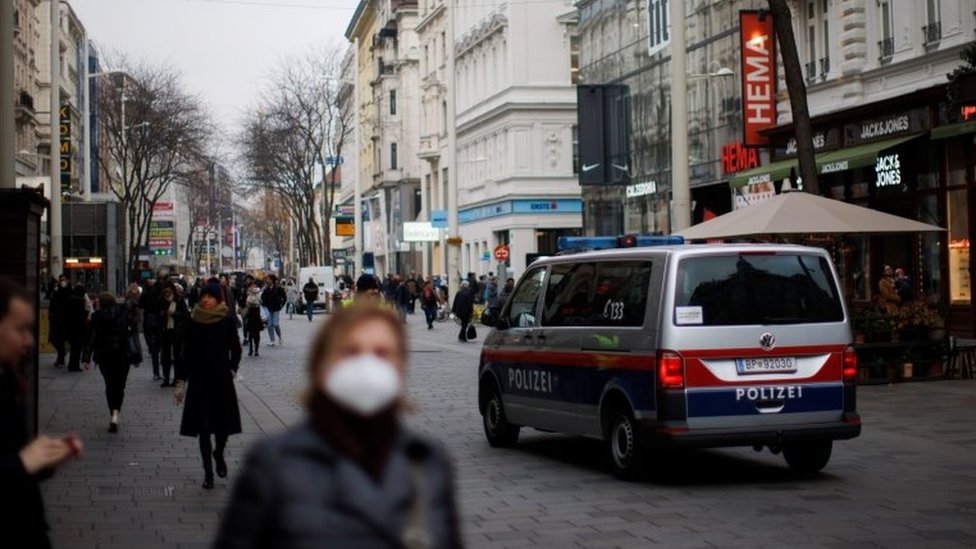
670, 370
850, 365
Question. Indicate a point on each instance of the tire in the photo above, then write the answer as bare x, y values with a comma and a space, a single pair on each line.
499, 432
624, 445
808, 458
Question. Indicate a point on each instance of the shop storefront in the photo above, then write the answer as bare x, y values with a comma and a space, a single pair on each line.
905, 156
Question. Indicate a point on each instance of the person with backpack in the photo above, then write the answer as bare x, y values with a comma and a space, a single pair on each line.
429, 303
109, 345
253, 324
274, 298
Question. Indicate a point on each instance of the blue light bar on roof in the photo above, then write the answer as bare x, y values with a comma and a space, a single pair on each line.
570, 243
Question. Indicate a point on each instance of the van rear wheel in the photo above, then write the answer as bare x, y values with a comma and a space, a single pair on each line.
627, 454
808, 457
499, 432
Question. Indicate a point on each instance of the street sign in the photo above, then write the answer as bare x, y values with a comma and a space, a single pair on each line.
501, 253
333, 161
438, 219
339, 253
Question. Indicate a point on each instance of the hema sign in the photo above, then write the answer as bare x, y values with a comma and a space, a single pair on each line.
758, 43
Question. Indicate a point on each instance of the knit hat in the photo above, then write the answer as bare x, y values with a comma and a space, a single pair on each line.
213, 290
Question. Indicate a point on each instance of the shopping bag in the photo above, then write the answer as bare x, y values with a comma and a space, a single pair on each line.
471, 333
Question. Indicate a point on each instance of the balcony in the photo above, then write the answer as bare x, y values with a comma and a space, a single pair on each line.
430, 147
932, 32
25, 108
811, 71
887, 49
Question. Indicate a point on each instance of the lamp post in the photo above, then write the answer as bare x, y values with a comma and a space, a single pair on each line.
680, 185
55, 266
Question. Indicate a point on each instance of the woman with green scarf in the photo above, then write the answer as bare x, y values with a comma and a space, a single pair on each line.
211, 356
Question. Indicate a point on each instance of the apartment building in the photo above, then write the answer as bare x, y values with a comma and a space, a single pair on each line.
515, 70
387, 97
27, 38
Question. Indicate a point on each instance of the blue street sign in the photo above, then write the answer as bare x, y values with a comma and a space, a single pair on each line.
438, 219
332, 160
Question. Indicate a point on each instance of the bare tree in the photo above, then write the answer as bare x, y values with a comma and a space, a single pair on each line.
783, 23
150, 126
264, 225
287, 144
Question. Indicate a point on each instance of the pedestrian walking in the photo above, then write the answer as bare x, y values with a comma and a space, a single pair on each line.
310, 293
24, 463
194, 293
108, 346
175, 317
273, 298
292, 295
367, 283
414, 290
351, 475
253, 323
152, 329
58, 312
429, 303
76, 326
212, 355
463, 309
401, 298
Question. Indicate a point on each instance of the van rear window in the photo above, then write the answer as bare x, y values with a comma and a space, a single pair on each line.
727, 290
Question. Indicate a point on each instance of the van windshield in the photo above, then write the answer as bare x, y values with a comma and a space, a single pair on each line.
726, 290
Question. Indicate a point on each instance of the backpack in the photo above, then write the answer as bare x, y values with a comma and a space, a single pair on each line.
428, 296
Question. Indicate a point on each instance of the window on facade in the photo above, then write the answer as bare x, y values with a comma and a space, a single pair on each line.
604, 294
521, 308
959, 289
393, 104
574, 55
887, 43
393, 156
576, 158
658, 25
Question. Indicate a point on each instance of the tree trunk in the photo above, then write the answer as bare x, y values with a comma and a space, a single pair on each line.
797, 89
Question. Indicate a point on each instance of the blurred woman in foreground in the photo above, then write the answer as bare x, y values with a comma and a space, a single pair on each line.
351, 475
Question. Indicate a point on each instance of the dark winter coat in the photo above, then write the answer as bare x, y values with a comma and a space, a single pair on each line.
211, 355
21, 508
274, 298
310, 291
58, 313
296, 490
464, 304
109, 336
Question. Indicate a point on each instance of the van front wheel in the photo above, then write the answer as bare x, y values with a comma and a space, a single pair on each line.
808, 457
499, 432
626, 451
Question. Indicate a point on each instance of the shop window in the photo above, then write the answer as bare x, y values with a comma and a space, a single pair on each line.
859, 265
929, 251
959, 280
957, 162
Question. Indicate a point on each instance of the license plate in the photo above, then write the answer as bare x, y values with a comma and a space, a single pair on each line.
767, 365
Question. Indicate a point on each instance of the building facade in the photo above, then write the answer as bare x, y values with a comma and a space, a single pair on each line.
387, 93
515, 69
887, 137
27, 39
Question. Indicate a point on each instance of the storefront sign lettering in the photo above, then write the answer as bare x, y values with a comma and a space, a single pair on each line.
641, 189
834, 167
886, 127
758, 76
888, 170
736, 158
819, 141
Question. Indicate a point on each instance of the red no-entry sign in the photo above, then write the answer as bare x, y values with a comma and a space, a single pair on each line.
501, 252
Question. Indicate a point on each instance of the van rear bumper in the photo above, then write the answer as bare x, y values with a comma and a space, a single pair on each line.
677, 434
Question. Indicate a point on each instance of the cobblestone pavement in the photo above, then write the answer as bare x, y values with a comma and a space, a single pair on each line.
908, 481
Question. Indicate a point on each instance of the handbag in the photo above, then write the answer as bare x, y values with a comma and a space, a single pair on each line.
472, 333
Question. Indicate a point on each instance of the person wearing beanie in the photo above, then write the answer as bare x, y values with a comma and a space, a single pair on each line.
205, 380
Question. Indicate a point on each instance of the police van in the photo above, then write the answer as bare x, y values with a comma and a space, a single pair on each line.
650, 346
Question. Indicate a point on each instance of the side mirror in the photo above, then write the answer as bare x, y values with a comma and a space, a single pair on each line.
502, 323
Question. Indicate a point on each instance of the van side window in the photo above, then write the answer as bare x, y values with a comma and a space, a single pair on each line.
521, 308
601, 294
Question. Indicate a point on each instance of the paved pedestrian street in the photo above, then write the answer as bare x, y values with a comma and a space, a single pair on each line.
908, 481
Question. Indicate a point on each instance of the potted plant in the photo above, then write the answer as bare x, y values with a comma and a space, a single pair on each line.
914, 320
871, 323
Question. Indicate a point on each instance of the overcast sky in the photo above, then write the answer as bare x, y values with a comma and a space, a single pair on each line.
222, 47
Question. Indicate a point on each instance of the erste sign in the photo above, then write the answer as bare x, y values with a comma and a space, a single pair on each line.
758, 76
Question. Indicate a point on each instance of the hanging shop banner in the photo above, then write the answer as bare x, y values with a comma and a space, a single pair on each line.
758, 45
64, 129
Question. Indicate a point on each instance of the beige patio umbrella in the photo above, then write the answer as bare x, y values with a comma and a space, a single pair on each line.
802, 213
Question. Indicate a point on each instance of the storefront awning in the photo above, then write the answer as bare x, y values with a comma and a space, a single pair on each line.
852, 158
772, 172
952, 130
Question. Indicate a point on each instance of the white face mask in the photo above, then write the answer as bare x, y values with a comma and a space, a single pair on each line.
363, 384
